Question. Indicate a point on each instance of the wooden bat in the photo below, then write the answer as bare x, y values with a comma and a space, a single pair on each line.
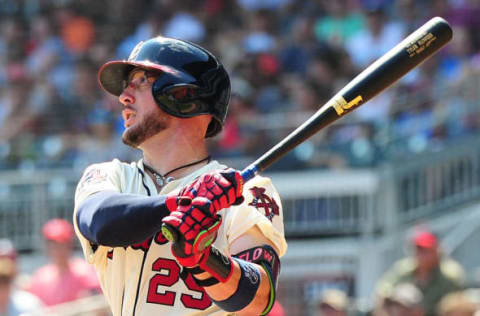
393, 65
386, 70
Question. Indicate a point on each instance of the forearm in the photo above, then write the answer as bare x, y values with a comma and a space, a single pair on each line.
116, 219
244, 284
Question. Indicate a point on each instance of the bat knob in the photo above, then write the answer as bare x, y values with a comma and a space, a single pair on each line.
169, 232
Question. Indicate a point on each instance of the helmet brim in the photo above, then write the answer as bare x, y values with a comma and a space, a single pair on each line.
112, 74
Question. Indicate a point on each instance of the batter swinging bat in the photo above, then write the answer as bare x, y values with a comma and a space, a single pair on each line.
386, 70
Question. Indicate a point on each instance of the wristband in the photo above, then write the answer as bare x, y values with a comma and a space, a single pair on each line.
247, 288
268, 259
265, 256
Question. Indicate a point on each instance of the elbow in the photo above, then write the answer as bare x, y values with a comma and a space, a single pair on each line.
90, 225
104, 237
92, 222
85, 223
93, 228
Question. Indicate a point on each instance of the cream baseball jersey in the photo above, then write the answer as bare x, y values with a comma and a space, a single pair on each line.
144, 279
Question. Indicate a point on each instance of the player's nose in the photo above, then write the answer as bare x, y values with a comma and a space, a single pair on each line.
126, 98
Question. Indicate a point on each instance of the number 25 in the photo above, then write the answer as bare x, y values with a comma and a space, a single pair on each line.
169, 279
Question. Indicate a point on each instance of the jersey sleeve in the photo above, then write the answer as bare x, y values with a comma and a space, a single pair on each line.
96, 178
262, 207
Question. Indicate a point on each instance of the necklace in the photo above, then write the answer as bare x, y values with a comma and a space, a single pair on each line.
164, 179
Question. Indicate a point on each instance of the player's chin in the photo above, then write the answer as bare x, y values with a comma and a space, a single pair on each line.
141, 131
132, 137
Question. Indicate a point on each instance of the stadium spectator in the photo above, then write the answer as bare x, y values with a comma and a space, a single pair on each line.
339, 24
65, 278
333, 302
404, 300
260, 37
186, 24
380, 32
428, 269
13, 300
277, 309
457, 304
262, 42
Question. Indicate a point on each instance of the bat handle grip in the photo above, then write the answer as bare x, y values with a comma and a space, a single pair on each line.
249, 172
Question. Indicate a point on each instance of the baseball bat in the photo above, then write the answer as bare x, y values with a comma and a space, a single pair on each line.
385, 71
393, 65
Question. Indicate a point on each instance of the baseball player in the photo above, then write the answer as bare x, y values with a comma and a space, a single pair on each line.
230, 235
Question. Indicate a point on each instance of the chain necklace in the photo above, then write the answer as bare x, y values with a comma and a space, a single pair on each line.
164, 179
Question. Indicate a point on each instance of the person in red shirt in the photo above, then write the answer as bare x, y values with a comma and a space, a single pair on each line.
277, 309
65, 278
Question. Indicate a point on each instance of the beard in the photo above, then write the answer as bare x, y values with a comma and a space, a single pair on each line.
151, 126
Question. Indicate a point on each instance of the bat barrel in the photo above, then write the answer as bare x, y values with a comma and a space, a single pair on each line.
405, 56
389, 68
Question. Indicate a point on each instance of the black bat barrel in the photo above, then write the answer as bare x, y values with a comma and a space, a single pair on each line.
386, 70
405, 56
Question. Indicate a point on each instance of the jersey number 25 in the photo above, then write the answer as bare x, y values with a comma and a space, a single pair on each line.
169, 279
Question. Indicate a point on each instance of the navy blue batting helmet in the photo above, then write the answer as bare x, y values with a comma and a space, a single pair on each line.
191, 81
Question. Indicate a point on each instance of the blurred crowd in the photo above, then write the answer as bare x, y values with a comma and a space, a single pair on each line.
64, 279
285, 57
426, 282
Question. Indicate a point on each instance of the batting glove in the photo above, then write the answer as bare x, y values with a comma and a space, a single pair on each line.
222, 187
196, 229
173, 201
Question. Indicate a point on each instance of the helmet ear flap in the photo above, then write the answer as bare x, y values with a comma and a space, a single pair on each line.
179, 100
213, 128
182, 101
182, 93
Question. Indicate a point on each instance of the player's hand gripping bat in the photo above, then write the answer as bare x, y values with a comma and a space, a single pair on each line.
408, 54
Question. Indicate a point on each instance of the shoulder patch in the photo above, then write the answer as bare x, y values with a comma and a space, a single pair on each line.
93, 176
262, 201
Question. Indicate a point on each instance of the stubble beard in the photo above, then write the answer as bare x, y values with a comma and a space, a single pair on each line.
136, 135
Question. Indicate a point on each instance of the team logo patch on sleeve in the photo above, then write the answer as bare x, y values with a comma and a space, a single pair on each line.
263, 201
93, 176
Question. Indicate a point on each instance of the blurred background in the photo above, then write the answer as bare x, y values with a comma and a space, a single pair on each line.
354, 195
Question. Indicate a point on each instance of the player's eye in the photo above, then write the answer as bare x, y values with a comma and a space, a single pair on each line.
139, 79
142, 80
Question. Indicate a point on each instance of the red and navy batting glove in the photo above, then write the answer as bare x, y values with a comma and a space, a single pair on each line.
174, 200
222, 187
196, 230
